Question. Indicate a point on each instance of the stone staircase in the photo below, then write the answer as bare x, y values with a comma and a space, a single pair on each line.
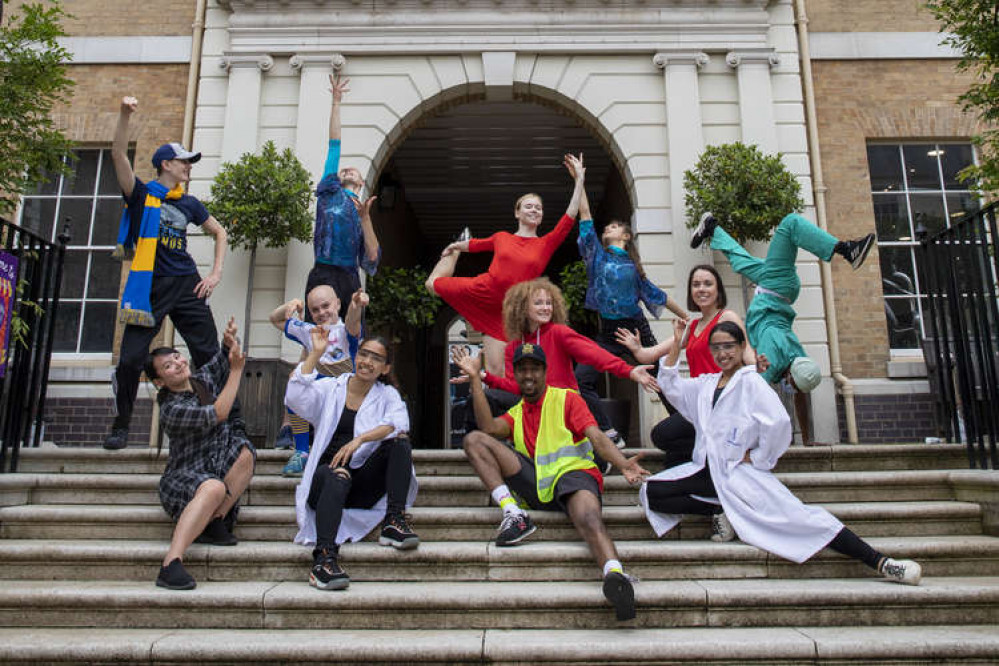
82, 535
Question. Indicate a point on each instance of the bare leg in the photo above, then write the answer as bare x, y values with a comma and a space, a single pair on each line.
494, 355
195, 517
444, 268
584, 510
801, 411
492, 459
237, 480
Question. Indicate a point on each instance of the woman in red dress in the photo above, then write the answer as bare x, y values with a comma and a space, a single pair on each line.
517, 257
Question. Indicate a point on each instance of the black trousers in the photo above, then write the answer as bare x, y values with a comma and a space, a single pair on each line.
387, 471
173, 297
675, 496
345, 281
500, 402
587, 376
675, 435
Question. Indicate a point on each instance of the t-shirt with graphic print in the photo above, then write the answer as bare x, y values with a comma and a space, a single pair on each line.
172, 258
340, 352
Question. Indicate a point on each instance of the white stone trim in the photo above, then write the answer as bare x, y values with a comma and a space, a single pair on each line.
127, 50
889, 386
879, 46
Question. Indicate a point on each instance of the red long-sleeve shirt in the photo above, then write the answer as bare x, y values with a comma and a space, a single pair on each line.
562, 346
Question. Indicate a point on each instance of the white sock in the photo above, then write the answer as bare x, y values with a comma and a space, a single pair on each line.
503, 497
612, 565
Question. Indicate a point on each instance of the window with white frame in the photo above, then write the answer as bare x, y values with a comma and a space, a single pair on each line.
89, 201
914, 187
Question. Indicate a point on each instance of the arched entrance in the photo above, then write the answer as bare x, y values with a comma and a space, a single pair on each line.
464, 166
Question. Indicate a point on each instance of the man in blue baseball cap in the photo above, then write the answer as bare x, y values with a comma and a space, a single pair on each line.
163, 279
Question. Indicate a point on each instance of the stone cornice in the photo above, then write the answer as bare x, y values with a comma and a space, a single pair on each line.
302, 60
665, 58
261, 61
752, 56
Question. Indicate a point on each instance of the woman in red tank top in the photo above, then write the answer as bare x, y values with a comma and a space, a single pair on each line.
706, 293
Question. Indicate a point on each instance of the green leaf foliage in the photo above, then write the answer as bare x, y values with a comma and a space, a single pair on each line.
573, 281
972, 27
400, 304
263, 199
748, 192
33, 79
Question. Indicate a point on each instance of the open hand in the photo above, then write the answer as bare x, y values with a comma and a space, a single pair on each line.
633, 472
320, 339
338, 87
207, 285
343, 456
237, 359
293, 308
575, 166
364, 208
640, 375
229, 338
631, 340
469, 366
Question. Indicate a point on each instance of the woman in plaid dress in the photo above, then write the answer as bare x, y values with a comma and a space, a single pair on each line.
211, 460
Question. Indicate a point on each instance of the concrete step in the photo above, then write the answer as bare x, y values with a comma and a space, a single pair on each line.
705, 646
452, 491
268, 561
277, 523
442, 462
498, 605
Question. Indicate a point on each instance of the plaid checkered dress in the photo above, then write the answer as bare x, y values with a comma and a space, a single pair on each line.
200, 447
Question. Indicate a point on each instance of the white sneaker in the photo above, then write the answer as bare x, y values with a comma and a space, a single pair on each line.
721, 528
906, 572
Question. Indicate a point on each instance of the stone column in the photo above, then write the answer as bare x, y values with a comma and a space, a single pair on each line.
311, 141
686, 141
756, 100
242, 119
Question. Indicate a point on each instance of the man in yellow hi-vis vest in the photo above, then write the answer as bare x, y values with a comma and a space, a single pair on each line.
550, 466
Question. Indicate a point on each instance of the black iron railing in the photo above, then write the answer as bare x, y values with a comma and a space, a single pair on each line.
35, 303
958, 269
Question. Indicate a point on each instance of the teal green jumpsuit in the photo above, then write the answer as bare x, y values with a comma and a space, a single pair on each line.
770, 316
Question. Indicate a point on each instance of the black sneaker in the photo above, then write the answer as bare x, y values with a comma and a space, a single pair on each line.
705, 228
515, 528
855, 251
397, 533
175, 577
618, 591
117, 439
326, 573
216, 534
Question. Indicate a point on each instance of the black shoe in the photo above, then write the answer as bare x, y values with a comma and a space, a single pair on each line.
216, 534
397, 533
117, 439
230, 519
855, 251
515, 528
326, 573
705, 228
618, 591
175, 577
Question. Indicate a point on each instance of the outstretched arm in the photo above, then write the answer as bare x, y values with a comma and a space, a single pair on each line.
575, 166
355, 311
371, 248
119, 148
484, 419
338, 87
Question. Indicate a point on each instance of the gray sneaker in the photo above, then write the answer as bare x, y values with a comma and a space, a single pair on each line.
906, 572
721, 528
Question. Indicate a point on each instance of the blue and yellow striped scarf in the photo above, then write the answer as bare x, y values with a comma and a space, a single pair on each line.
138, 243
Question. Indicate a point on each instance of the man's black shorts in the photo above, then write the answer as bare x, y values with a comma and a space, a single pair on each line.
525, 485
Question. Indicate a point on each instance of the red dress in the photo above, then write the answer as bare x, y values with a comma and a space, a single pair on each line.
562, 346
516, 259
699, 358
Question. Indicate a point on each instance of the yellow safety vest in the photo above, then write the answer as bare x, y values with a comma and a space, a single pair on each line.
555, 451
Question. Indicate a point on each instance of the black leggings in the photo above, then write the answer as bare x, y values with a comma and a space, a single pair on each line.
675, 496
675, 435
387, 471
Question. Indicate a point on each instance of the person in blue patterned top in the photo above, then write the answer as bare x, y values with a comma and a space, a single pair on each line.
344, 238
617, 288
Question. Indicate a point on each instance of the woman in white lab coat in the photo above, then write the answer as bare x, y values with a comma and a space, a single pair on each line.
360, 471
742, 430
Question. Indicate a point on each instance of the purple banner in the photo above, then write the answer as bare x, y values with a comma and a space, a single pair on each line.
8, 292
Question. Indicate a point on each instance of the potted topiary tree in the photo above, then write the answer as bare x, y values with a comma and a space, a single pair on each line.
748, 192
262, 199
